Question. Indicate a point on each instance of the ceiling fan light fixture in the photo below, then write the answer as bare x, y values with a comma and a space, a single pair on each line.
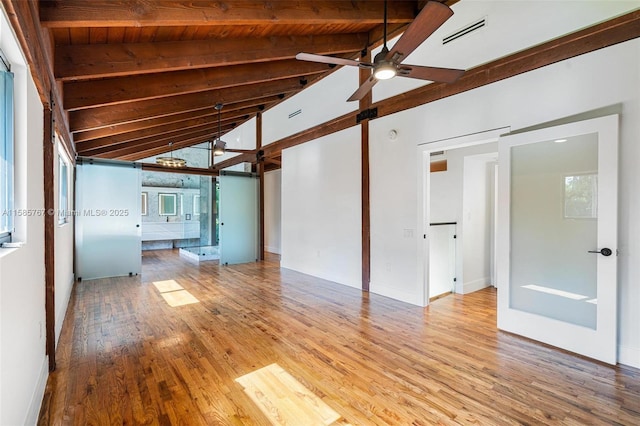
385, 71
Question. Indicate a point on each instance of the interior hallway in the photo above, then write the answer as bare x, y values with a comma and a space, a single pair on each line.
127, 357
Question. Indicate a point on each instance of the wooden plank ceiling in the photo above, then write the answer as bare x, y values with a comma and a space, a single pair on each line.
138, 74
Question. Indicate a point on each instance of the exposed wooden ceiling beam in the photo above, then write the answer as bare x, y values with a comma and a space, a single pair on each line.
240, 158
99, 117
88, 94
135, 153
161, 142
77, 62
133, 13
239, 111
209, 122
152, 167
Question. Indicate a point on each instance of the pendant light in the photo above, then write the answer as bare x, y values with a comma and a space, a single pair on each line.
219, 146
171, 161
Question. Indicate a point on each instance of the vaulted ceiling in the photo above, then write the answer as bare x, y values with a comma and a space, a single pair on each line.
135, 75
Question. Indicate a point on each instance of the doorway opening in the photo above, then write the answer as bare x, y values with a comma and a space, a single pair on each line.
458, 214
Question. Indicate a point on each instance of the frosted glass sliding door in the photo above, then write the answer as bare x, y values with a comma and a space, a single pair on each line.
238, 218
558, 233
108, 234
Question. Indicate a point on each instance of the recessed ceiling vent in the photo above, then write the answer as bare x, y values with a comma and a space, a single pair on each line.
293, 114
437, 153
466, 30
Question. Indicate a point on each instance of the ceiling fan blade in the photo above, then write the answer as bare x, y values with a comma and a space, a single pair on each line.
441, 75
363, 89
329, 60
430, 18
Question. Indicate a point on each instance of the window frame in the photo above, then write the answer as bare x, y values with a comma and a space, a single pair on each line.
63, 204
7, 152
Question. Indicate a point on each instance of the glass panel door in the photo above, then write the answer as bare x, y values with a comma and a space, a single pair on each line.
238, 218
557, 222
108, 235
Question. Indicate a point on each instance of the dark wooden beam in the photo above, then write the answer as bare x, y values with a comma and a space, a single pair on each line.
168, 130
108, 13
90, 61
50, 219
158, 144
261, 168
138, 155
88, 94
95, 118
365, 102
151, 167
240, 158
240, 110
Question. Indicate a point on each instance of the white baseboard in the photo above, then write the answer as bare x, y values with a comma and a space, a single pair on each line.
629, 356
475, 285
38, 393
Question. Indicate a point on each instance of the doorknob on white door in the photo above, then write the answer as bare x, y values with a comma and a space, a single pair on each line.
605, 251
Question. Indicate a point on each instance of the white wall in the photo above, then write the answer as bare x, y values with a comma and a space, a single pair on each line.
511, 26
23, 364
477, 220
319, 103
63, 240
448, 191
562, 90
272, 211
321, 215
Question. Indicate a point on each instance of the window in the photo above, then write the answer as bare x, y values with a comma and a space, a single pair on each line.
196, 205
581, 196
63, 189
6, 151
143, 204
167, 204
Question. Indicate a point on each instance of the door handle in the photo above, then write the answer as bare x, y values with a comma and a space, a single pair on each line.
605, 251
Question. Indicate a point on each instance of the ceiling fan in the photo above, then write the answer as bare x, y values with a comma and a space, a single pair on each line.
388, 63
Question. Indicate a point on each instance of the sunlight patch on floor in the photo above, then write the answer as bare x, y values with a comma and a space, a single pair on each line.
174, 294
284, 400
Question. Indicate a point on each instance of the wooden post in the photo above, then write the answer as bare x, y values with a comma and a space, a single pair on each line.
365, 102
49, 234
260, 168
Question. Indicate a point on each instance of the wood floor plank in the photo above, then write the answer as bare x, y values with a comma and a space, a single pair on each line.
127, 357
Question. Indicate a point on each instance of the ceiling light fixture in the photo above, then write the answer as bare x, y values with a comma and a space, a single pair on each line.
218, 145
171, 161
385, 71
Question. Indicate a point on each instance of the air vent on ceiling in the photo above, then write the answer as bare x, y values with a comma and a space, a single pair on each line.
294, 113
436, 153
467, 29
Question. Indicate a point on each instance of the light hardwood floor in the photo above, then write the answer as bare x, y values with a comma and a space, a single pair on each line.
127, 357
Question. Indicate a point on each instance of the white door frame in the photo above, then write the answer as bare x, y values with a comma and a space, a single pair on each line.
424, 189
